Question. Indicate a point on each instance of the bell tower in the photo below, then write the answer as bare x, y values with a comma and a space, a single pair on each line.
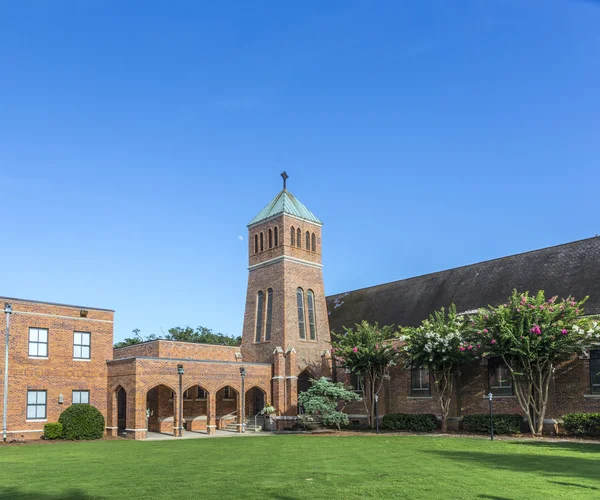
286, 321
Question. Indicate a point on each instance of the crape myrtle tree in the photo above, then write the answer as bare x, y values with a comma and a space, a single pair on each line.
531, 334
367, 350
438, 345
328, 400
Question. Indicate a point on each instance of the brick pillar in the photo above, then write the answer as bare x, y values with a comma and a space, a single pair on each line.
326, 366
211, 413
291, 380
279, 381
112, 414
136, 415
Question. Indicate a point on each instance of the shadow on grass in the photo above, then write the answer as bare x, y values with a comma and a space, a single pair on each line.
16, 494
545, 465
556, 445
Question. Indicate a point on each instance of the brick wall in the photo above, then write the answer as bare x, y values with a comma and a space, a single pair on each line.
58, 373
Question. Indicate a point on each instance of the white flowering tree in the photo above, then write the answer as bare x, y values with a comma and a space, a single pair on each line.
532, 334
438, 346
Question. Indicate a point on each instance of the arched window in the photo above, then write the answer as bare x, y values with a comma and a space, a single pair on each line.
307, 246
269, 314
314, 242
256, 243
293, 237
310, 302
300, 300
262, 243
260, 299
299, 239
270, 238
276, 231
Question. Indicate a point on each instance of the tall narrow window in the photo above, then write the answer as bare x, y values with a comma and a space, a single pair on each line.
256, 243
595, 371
420, 386
269, 314
299, 239
499, 378
262, 243
260, 299
300, 300
270, 238
293, 237
356, 382
38, 343
312, 329
314, 242
81, 345
307, 245
276, 233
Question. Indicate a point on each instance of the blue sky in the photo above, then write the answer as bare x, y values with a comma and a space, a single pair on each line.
137, 141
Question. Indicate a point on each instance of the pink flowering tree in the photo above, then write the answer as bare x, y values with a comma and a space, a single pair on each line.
532, 334
438, 345
368, 351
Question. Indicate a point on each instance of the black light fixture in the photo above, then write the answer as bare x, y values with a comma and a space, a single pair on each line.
180, 373
243, 374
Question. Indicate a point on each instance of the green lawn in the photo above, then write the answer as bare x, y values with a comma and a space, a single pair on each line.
295, 466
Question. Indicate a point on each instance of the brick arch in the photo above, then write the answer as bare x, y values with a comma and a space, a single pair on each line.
238, 390
117, 386
146, 388
194, 384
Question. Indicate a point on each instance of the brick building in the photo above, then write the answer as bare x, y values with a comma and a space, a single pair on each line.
61, 355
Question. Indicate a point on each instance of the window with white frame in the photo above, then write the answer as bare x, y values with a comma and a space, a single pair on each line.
499, 378
420, 382
595, 371
201, 393
81, 398
81, 345
36, 405
38, 342
187, 394
356, 382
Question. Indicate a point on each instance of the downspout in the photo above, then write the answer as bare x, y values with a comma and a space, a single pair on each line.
8, 311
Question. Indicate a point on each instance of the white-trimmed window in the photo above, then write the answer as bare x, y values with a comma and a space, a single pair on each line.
300, 303
312, 327
269, 314
81, 398
36, 405
228, 393
595, 371
420, 385
499, 378
201, 393
187, 395
81, 345
38, 342
260, 305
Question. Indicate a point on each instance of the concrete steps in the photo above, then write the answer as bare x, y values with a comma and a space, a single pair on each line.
250, 427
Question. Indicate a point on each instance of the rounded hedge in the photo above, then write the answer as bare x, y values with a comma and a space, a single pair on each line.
53, 430
82, 421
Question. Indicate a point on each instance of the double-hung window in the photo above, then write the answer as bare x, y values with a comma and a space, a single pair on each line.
81, 345
420, 385
499, 378
38, 343
36, 405
595, 371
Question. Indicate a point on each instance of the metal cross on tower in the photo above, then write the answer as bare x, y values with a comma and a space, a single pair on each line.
285, 178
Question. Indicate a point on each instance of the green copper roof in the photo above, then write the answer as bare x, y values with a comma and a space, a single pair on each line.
285, 203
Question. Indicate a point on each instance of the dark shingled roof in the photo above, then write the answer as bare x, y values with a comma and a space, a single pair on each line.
569, 269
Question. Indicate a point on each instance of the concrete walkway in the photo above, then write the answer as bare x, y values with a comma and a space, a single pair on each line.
157, 436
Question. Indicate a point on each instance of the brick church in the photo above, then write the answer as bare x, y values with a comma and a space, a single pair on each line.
59, 355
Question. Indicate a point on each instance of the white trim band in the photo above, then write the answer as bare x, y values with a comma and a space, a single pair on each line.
34, 430
284, 258
135, 430
62, 317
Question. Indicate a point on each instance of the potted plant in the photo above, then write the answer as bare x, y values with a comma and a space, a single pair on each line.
268, 412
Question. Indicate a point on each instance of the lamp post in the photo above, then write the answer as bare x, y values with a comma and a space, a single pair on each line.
376, 415
8, 312
490, 396
180, 372
243, 374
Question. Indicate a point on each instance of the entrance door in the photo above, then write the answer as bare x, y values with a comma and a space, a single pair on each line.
259, 400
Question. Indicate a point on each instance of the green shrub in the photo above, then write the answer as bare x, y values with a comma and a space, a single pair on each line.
82, 421
582, 424
504, 423
409, 422
53, 430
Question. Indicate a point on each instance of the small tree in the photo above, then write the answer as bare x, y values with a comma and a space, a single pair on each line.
327, 400
368, 351
438, 346
531, 335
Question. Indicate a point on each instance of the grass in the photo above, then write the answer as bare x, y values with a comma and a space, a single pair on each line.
302, 467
